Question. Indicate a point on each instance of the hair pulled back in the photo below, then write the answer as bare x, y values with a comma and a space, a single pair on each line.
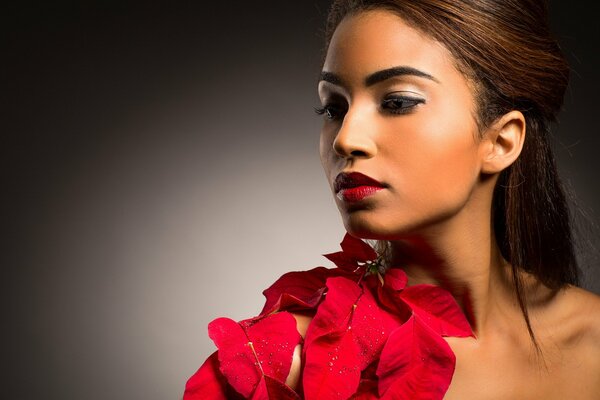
506, 49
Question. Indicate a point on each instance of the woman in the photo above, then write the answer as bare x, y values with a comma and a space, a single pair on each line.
434, 141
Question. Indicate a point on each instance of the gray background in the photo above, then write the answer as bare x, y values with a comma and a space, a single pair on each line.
159, 169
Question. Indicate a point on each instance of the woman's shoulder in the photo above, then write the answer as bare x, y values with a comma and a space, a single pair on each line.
578, 325
573, 328
587, 308
571, 318
580, 310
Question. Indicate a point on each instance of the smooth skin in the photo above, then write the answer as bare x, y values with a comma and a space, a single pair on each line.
415, 131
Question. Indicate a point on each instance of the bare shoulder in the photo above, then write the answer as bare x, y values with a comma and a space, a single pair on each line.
571, 341
573, 320
582, 307
576, 316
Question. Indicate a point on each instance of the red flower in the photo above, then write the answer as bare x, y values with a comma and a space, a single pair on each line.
371, 337
252, 354
416, 363
209, 383
355, 254
347, 334
269, 388
296, 291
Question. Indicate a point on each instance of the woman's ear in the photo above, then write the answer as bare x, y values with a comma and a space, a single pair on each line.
503, 142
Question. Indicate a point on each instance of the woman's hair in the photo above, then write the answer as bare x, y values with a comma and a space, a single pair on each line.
506, 50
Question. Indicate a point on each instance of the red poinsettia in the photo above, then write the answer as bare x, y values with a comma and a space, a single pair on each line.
347, 334
371, 337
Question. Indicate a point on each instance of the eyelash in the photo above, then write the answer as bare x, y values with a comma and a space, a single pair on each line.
402, 109
333, 111
328, 111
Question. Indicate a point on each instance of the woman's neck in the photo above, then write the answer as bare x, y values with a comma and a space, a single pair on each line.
465, 261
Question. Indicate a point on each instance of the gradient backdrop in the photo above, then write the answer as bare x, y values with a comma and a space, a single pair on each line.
160, 168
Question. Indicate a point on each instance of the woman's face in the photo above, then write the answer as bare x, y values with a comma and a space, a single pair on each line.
397, 111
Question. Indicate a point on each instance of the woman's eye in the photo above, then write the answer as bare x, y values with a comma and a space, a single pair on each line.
400, 105
330, 111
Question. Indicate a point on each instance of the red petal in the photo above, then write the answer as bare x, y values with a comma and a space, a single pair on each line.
288, 302
274, 339
343, 260
333, 315
345, 336
255, 347
395, 279
296, 290
367, 390
438, 309
371, 327
357, 249
237, 361
208, 383
415, 364
332, 356
331, 367
271, 389
388, 295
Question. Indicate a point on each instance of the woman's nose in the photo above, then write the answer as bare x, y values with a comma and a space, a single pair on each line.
354, 138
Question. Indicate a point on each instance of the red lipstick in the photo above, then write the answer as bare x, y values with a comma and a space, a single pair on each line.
354, 186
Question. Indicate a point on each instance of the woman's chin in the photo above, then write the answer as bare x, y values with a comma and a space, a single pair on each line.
380, 226
370, 228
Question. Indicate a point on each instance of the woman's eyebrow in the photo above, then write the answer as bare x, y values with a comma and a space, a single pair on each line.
331, 78
388, 73
379, 76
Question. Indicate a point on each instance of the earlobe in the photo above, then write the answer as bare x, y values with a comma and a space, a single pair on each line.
503, 142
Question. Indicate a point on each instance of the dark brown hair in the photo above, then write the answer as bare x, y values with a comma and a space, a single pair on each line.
506, 49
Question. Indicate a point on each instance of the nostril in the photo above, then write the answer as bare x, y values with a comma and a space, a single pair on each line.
358, 153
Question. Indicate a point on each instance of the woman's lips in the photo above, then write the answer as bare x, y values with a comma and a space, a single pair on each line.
354, 186
357, 194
